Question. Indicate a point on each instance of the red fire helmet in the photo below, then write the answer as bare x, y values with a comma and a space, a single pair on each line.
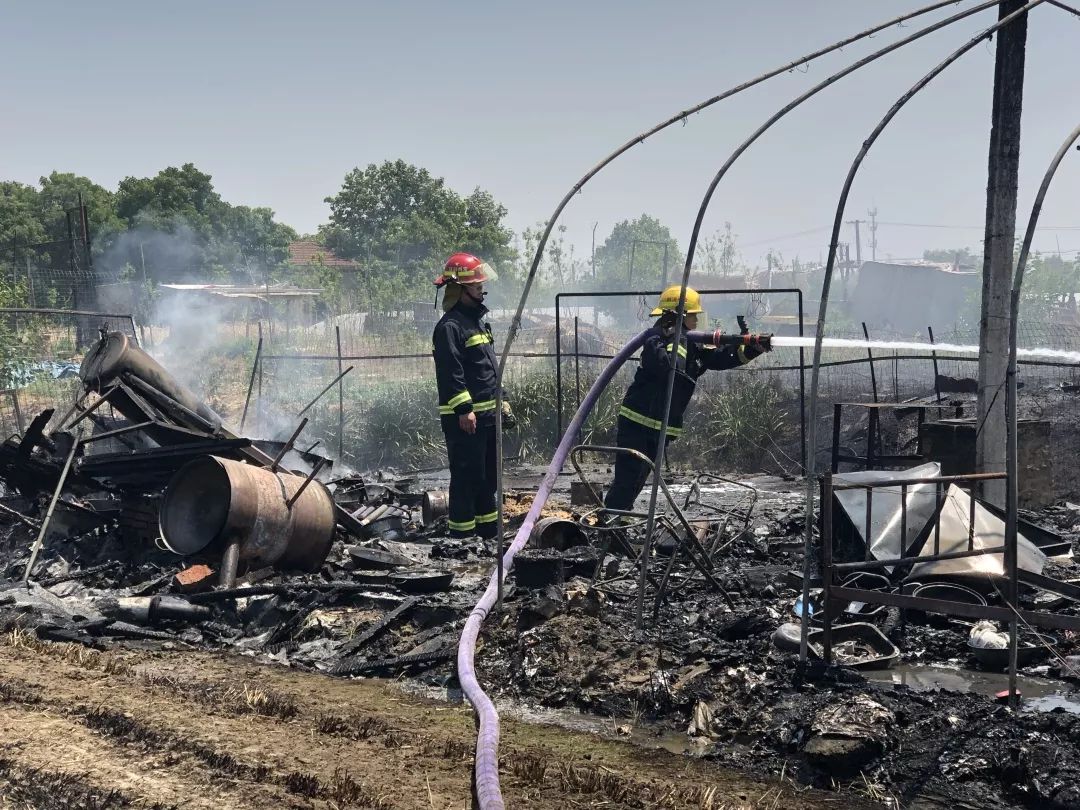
464, 268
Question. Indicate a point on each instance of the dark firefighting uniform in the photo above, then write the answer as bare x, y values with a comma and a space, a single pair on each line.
466, 373
641, 414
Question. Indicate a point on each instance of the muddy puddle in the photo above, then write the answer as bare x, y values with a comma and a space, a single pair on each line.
1038, 694
626, 729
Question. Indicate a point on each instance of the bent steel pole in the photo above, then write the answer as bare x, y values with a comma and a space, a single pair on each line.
1012, 499
515, 324
834, 241
696, 232
40, 539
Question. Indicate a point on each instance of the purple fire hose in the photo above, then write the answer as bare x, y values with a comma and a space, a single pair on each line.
488, 793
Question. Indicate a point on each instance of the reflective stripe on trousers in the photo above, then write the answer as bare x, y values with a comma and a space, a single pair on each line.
649, 422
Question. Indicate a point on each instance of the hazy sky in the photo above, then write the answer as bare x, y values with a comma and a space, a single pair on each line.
278, 100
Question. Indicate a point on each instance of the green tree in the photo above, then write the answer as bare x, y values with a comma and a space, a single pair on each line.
485, 234
400, 222
393, 211
180, 227
34, 224
961, 256
632, 257
1050, 288
61, 193
20, 219
252, 241
174, 222
172, 195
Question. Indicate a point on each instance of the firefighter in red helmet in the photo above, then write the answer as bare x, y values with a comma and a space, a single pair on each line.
466, 371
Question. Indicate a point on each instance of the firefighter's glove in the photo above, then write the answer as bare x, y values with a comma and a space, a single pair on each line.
509, 421
757, 345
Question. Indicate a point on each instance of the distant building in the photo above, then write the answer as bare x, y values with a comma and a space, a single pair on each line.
194, 303
910, 297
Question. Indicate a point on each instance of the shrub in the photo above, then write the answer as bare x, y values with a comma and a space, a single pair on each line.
735, 427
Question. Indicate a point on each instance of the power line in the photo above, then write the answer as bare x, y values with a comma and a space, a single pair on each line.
796, 234
785, 236
972, 227
774, 239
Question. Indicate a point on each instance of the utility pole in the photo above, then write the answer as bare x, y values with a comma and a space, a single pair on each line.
592, 261
858, 241
872, 213
1000, 234
84, 219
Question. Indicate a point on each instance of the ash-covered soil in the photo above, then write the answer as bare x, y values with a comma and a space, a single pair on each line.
129, 728
254, 706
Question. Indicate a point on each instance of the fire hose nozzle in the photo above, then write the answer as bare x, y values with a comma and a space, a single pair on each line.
760, 341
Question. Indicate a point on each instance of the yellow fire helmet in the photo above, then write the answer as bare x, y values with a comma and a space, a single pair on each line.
669, 301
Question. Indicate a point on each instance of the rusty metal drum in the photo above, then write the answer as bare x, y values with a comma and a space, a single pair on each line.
212, 500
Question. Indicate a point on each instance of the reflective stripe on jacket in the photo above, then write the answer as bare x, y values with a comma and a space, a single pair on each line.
644, 400
466, 369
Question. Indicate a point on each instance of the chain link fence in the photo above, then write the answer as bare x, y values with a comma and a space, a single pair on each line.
39, 360
382, 413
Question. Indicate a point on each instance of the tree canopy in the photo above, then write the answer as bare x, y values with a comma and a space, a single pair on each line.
173, 223
19, 214
961, 256
178, 224
633, 255
401, 222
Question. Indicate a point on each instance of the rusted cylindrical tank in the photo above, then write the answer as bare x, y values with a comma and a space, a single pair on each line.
117, 353
436, 504
215, 499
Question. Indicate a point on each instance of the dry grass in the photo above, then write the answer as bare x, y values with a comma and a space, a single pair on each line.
230, 700
608, 786
69, 653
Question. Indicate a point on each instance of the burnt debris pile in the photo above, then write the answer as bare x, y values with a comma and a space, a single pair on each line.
138, 515
137, 518
914, 704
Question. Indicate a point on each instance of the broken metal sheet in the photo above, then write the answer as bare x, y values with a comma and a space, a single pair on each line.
989, 532
42, 603
885, 513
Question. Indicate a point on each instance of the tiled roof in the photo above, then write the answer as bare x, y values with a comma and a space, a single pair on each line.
307, 252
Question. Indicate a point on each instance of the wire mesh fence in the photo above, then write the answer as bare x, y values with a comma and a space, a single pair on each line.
40, 353
382, 413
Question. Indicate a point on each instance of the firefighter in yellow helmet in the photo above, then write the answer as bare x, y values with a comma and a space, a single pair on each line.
641, 413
